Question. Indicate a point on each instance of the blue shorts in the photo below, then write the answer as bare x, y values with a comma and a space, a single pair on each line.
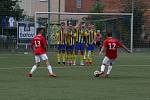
70, 48
61, 47
90, 47
79, 46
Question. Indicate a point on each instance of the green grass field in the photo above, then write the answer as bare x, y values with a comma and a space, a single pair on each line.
130, 79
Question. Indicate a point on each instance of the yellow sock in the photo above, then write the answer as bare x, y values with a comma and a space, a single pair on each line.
81, 58
91, 58
58, 57
75, 57
63, 57
68, 57
87, 57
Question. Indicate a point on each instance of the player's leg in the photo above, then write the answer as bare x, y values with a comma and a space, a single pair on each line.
82, 54
68, 55
63, 57
72, 55
64, 54
88, 54
105, 63
109, 68
77, 49
91, 54
45, 59
34, 67
58, 53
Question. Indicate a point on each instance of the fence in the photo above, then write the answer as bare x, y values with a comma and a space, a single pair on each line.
8, 42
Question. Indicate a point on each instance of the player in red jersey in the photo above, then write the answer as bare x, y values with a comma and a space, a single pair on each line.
39, 46
110, 45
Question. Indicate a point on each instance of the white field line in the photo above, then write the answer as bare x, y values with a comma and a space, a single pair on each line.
6, 68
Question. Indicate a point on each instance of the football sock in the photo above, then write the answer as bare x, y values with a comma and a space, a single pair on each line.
81, 58
87, 56
49, 69
58, 57
33, 69
63, 57
102, 68
91, 56
75, 58
84, 57
72, 57
109, 69
68, 58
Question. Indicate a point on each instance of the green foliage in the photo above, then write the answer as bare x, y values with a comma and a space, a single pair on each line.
10, 8
96, 19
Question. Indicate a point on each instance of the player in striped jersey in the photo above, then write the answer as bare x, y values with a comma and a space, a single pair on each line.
61, 44
91, 34
80, 42
70, 44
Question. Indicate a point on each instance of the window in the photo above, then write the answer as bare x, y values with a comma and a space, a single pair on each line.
78, 3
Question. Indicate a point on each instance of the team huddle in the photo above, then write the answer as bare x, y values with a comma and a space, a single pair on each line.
74, 40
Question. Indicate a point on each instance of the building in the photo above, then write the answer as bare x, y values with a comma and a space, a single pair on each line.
32, 6
86, 5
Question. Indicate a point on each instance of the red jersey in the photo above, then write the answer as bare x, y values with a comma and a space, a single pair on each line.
111, 45
39, 43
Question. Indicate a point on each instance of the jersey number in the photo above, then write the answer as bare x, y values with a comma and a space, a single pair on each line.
112, 46
37, 43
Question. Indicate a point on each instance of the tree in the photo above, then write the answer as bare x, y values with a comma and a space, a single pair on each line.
97, 8
10, 8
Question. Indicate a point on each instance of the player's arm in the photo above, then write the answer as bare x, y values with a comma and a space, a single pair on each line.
103, 47
123, 46
102, 50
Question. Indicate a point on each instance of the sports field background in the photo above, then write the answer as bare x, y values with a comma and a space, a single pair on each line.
130, 79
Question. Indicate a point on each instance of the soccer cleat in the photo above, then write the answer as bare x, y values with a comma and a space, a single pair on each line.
64, 63
90, 63
100, 73
51, 75
29, 75
74, 63
87, 63
81, 63
58, 62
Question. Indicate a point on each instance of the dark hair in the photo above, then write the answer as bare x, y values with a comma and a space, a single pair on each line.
39, 29
109, 34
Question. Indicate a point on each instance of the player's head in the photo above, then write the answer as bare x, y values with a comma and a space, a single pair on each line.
62, 25
109, 34
40, 30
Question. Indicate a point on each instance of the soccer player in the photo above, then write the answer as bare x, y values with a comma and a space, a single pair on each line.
61, 44
80, 41
91, 34
110, 45
39, 46
70, 45
98, 39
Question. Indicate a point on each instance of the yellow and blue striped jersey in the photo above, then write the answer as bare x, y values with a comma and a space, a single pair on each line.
70, 37
91, 36
61, 37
